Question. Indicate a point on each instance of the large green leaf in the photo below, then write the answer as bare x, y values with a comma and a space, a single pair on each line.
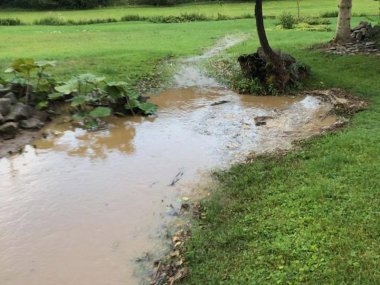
78, 100
68, 87
22, 65
148, 108
99, 112
44, 63
90, 78
116, 89
55, 96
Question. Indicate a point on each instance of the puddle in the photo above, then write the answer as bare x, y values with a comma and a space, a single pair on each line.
81, 207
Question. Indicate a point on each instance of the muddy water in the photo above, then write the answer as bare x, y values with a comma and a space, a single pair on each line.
79, 207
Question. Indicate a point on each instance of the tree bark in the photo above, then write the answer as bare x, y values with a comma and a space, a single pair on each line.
343, 30
272, 56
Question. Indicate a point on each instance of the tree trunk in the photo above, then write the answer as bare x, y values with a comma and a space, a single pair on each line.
343, 30
272, 56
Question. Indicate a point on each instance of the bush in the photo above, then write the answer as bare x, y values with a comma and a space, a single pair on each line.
10, 22
129, 18
287, 20
331, 14
55, 4
51, 21
57, 21
222, 17
315, 21
179, 19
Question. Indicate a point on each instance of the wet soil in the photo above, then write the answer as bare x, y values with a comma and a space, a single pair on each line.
79, 208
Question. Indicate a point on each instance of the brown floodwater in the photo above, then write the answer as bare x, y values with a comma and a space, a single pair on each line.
79, 207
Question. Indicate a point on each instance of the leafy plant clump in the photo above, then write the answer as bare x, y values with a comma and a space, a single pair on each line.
59, 21
90, 97
10, 22
331, 14
287, 20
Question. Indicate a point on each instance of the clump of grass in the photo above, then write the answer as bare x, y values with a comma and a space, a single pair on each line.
183, 18
92, 21
330, 14
10, 22
51, 21
315, 21
57, 21
132, 18
222, 17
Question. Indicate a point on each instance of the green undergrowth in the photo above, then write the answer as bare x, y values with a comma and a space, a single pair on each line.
307, 217
271, 8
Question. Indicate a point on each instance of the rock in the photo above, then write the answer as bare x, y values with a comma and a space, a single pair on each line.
9, 130
32, 123
262, 120
12, 97
3, 90
1, 119
5, 106
370, 44
20, 112
42, 116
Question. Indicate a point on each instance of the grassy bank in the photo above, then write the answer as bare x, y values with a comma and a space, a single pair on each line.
271, 8
309, 217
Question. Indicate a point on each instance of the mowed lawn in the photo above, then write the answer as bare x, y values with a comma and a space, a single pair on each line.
271, 8
309, 217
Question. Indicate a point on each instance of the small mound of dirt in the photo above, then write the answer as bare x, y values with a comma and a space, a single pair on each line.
344, 103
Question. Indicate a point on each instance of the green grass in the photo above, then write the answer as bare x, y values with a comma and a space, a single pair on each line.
118, 50
310, 217
271, 8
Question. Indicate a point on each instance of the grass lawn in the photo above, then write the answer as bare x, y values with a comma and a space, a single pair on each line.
271, 8
310, 217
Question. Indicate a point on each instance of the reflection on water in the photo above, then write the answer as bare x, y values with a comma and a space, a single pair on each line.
78, 142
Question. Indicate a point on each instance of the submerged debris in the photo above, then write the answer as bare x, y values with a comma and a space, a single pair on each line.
172, 268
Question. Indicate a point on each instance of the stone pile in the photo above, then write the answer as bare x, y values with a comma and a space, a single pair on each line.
364, 32
15, 116
366, 40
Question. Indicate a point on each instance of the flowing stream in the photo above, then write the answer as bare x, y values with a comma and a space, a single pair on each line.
78, 208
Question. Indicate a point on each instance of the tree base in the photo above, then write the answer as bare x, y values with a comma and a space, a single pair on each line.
287, 73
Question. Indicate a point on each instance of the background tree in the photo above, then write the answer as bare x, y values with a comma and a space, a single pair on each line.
343, 30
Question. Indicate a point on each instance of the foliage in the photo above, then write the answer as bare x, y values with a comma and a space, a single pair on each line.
53, 4
90, 97
287, 20
331, 14
59, 21
30, 80
235, 10
10, 22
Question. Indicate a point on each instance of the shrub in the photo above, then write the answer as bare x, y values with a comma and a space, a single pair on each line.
287, 20
129, 18
331, 14
10, 22
51, 21
315, 21
222, 17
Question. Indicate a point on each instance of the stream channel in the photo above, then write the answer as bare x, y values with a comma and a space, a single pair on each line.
79, 207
